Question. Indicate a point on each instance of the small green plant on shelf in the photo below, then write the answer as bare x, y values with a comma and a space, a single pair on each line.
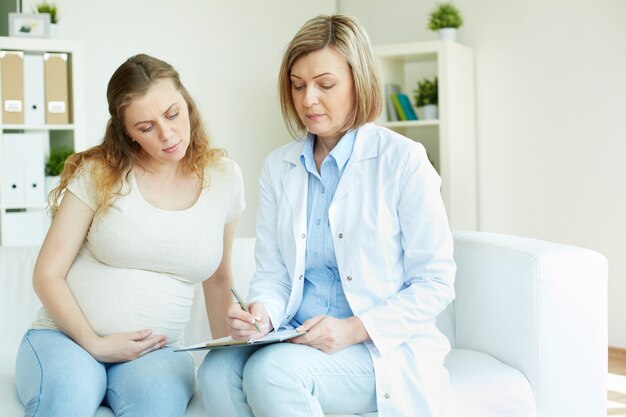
427, 92
47, 7
56, 160
446, 15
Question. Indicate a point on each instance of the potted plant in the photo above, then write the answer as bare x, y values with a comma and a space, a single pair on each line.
45, 6
445, 19
427, 97
54, 166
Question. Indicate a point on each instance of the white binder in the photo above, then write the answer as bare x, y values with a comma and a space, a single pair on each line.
34, 168
23, 169
34, 89
12, 170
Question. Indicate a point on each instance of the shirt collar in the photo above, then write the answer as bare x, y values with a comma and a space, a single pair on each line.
341, 152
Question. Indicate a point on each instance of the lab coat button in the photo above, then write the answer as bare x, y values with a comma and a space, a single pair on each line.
349, 277
387, 396
340, 235
300, 277
303, 236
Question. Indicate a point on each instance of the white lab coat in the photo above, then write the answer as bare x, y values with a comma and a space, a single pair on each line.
394, 253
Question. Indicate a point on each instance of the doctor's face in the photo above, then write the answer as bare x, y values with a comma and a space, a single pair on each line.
322, 90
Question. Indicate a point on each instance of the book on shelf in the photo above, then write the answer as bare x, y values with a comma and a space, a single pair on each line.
398, 107
390, 90
407, 107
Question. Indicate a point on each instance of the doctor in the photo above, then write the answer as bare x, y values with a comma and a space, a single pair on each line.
353, 247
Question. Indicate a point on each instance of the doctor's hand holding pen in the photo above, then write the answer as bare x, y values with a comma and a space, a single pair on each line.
246, 322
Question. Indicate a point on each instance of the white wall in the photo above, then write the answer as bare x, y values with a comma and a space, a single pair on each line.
227, 52
551, 104
551, 97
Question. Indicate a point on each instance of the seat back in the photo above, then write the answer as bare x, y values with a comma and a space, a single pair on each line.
18, 302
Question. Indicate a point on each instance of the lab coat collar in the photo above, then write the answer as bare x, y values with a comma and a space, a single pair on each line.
365, 146
295, 181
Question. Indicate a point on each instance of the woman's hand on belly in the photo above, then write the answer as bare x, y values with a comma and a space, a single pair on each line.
124, 347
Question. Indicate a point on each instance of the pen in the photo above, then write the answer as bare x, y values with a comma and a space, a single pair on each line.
244, 307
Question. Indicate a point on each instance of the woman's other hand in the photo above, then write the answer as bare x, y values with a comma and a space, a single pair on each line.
242, 324
124, 347
330, 335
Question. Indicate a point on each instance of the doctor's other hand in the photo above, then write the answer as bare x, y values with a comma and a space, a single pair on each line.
242, 324
330, 335
124, 347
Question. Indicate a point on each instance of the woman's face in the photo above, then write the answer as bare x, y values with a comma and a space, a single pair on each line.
159, 122
322, 90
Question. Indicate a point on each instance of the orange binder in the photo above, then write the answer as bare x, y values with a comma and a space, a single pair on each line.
57, 88
12, 68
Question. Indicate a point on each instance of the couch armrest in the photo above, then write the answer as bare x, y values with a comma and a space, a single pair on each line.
539, 307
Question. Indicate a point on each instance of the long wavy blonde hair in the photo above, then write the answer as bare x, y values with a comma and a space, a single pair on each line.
112, 160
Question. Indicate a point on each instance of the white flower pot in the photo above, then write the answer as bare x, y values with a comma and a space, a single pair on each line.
447, 34
53, 30
431, 112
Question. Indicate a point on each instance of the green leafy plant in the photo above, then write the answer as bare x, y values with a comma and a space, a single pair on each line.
47, 7
56, 160
427, 92
446, 15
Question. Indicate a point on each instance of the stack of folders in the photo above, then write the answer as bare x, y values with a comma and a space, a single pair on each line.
35, 88
398, 104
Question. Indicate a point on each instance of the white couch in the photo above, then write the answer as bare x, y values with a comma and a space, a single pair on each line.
528, 326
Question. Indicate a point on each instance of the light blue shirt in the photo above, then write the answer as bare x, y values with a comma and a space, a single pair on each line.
323, 293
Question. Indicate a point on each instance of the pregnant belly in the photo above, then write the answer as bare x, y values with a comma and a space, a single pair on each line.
118, 300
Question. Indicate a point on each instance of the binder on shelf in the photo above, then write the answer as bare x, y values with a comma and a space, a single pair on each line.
34, 102
12, 69
34, 167
23, 169
56, 88
12, 170
398, 106
390, 90
407, 107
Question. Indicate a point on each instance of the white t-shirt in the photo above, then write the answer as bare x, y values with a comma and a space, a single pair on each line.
139, 264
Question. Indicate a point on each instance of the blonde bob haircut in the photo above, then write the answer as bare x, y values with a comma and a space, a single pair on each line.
112, 160
346, 36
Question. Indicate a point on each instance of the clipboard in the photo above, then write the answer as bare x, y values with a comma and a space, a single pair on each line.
228, 342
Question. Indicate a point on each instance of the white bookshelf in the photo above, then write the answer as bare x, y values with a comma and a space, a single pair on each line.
30, 219
451, 140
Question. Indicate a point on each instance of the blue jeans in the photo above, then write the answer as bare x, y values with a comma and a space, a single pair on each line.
55, 377
285, 379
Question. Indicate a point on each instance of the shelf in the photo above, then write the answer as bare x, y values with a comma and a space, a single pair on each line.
38, 44
22, 161
25, 206
34, 127
449, 141
410, 123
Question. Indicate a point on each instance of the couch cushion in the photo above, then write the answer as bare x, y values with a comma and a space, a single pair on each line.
483, 385
486, 387
10, 405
